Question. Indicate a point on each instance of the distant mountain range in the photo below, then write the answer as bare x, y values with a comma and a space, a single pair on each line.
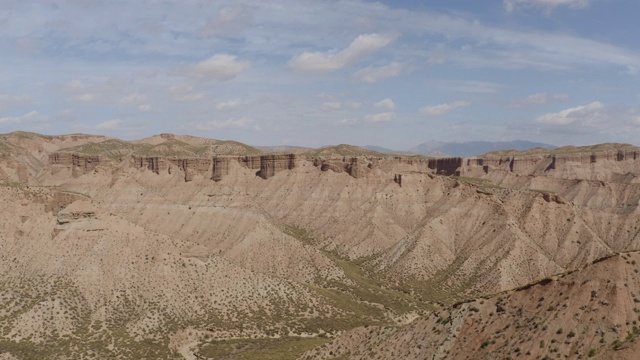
440, 148
279, 148
463, 149
471, 148
384, 149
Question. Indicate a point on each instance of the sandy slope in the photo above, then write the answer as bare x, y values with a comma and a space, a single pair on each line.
123, 262
590, 312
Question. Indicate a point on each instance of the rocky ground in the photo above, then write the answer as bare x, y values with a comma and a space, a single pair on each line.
182, 247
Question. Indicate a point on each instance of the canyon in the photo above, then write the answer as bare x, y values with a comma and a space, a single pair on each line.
183, 247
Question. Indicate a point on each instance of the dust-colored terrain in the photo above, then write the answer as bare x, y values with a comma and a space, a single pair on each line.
182, 247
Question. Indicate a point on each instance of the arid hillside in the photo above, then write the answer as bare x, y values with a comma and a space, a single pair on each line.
590, 313
178, 246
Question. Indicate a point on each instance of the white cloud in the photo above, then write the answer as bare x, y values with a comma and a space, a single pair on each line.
331, 105
221, 67
470, 86
7, 101
549, 5
363, 46
437, 110
354, 104
191, 97
133, 99
145, 107
180, 89
229, 21
109, 124
579, 113
386, 104
374, 74
85, 97
228, 105
350, 121
380, 117
74, 86
540, 99
223, 124
32, 116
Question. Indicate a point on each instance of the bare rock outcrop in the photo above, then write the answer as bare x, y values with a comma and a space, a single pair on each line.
251, 162
621, 166
326, 165
60, 158
397, 178
153, 163
446, 166
220, 167
271, 164
189, 166
354, 166
60, 200
554, 198
193, 167
84, 164
80, 164
76, 211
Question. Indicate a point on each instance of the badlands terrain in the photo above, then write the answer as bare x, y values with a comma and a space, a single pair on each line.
176, 247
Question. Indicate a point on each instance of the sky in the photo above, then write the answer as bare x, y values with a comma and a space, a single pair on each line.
313, 73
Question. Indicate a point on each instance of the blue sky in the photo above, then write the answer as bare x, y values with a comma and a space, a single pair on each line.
313, 73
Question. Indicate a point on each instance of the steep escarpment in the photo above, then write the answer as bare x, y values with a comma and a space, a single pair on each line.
251, 162
271, 164
78, 164
607, 162
194, 167
446, 166
154, 163
220, 167
357, 167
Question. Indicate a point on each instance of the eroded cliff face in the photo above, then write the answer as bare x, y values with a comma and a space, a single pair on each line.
194, 167
354, 166
220, 167
251, 162
76, 211
271, 164
155, 164
611, 166
446, 166
215, 168
12, 170
78, 164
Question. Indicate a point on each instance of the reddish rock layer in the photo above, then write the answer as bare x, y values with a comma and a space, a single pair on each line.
155, 164
220, 167
271, 164
251, 162
446, 166
193, 167
80, 164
